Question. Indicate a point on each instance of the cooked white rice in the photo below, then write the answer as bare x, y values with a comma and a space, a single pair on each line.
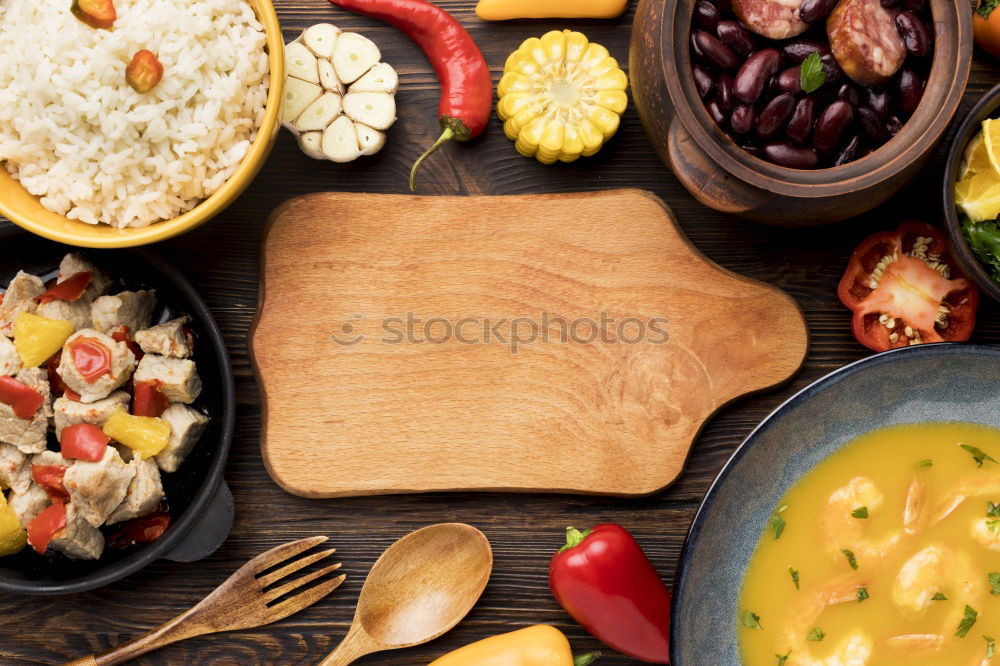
76, 135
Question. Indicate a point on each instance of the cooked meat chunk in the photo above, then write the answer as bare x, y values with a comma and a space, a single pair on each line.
97, 488
29, 504
75, 312
78, 540
20, 297
50, 458
72, 264
122, 365
70, 412
28, 435
178, 377
167, 339
15, 470
144, 492
128, 308
10, 362
186, 426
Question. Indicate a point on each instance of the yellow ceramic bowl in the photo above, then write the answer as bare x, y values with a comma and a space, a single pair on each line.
25, 210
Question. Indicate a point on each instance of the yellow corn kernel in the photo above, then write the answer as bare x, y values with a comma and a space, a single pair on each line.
513, 82
572, 144
576, 44
37, 338
612, 100
594, 57
591, 137
554, 44
604, 120
145, 435
502, 10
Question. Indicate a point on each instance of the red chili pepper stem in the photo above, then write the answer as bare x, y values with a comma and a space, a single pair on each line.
446, 136
586, 659
574, 538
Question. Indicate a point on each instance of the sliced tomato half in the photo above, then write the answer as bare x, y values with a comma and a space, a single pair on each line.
905, 288
70, 289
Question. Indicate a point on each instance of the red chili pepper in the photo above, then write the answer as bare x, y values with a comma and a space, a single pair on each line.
23, 399
70, 289
83, 441
46, 525
123, 333
141, 530
149, 399
50, 478
602, 578
466, 85
904, 288
91, 357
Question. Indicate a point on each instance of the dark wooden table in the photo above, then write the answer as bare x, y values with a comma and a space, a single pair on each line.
221, 259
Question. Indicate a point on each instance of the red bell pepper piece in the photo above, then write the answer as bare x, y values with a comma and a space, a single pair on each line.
149, 399
123, 333
70, 289
23, 399
46, 525
83, 441
602, 578
56, 381
904, 288
91, 357
50, 478
141, 530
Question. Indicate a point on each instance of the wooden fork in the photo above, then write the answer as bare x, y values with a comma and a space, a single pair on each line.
241, 602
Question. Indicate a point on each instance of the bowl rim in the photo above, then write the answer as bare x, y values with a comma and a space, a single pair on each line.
698, 522
952, 68
986, 107
214, 477
105, 236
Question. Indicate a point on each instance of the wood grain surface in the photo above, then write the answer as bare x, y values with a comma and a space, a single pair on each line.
222, 259
500, 343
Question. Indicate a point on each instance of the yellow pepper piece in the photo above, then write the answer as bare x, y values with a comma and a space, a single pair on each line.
502, 10
540, 645
561, 97
145, 435
37, 338
13, 537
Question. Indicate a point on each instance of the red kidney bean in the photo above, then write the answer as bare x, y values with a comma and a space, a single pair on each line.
878, 100
715, 51
893, 125
716, 112
695, 48
790, 80
743, 119
911, 91
793, 157
813, 11
754, 74
775, 116
706, 15
872, 125
800, 126
702, 80
914, 34
800, 49
725, 94
736, 37
849, 152
831, 124
849, 93
831, 68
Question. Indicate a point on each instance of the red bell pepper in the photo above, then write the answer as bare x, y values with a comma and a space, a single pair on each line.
23, 399
91, 357
46, 525
70, 289
50, 478
602, 578
83, 441
149, 399
141, 530
123, 333
56, 381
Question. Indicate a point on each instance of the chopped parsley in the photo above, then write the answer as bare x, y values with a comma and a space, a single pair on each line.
986, 7
978, 455
780, 659
794, 573
853, 561
993, 517
862, 593
927, 462
939, 597
811, 75
991, 646
994, 579
967, 621
861, 512
751, 620
816, 634
776, 523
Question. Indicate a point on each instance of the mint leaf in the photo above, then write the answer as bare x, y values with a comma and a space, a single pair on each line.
978, 455
811, 74
970, 619
862, 594
994, 579
777, 525
939, 597
927, 462
991, 646
751, 620
853, 561
780, 659
794, 573
862, 511
986, 7
816, 634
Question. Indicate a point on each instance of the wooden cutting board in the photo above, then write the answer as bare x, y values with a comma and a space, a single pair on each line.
555, 343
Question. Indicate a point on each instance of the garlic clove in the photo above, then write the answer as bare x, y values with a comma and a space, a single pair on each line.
377, 110
354, 55
340, 141
321, 39
380, 78
311, 144
301, 63
298, 96
328, 77
371, 140
320, 113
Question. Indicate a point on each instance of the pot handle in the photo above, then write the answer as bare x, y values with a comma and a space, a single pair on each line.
209, 532
707, 181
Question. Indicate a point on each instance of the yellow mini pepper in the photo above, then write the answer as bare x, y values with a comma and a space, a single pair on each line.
561, 97
540, 645
502, 10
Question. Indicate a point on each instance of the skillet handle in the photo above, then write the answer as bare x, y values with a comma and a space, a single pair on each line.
209, 532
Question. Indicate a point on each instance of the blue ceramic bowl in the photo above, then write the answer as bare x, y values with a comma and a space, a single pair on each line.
941, 382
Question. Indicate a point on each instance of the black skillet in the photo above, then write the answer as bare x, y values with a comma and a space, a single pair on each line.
200, 504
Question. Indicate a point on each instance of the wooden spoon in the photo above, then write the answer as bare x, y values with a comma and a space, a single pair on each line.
421, 587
